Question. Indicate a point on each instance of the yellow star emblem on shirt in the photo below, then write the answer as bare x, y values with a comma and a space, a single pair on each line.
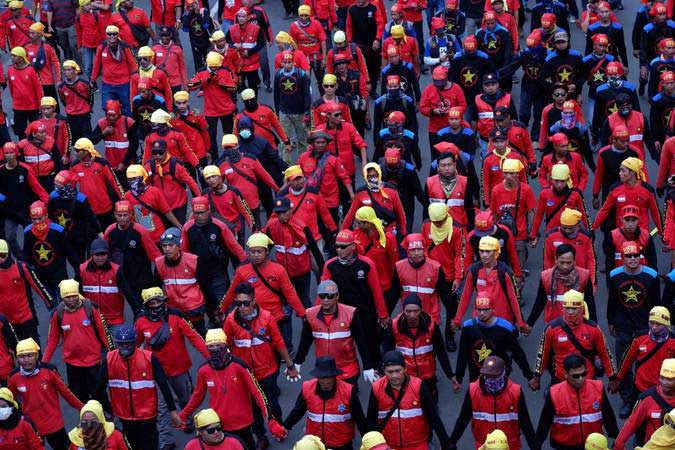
613, 108
196, 27
565, 75
43, 253
145, 115
62, 219
483, 352
288, 85
450, 26
492, 44
598, 76
631, 295
468, 76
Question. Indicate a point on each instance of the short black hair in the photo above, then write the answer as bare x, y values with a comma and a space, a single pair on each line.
573, 361
244, 288
565, 248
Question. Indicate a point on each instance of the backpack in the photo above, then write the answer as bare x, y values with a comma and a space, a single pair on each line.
88, 311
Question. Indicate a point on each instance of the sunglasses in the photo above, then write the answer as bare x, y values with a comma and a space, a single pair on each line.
329, 296
241, 303
211, 430
632, 255
342, 246
559, 95
329, 85
3, 255
580, 375
158, 152
337, 114
112, 34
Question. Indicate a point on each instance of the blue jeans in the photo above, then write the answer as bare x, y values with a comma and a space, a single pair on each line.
118, 92
226, 25
88, 61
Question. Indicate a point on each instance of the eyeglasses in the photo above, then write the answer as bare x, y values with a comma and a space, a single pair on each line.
112, 34
211, 430
241, 303
329, 85
329, 296
342, 246
632, 255
559, 94
337, 114
580, 375
158, 152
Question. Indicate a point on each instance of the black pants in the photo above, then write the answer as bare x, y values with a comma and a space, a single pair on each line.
373, 63
4, 134
301, 284
106, 219
180, 213
431, 384
47, 182
227, 123
141, 434
245, 434
27, 329
58, 440
199, 56
82, 381
251, 80
21, 120
319, 72
272, 392
419, 31
80, 125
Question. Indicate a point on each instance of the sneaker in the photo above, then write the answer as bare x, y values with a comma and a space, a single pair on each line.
625, 411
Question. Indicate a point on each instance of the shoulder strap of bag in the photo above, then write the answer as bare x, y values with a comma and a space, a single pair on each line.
560, 205
665, 406
88, 311
387, 215
302, 199
249, 330
586, 353
596, 67
242, 174
264, 281
268, 129
74, 91
217, 215
145, 205
395, 406
653, 352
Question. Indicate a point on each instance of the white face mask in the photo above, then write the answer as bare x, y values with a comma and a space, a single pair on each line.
5, 412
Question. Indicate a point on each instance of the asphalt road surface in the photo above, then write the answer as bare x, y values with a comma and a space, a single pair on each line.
450, 403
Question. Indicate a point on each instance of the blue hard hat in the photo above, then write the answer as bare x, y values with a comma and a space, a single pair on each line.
125, 333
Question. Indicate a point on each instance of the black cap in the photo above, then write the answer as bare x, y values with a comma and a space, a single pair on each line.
281, 204
412, 299
318, 135
623, 99
393, 358
496, 133
501, 112
165, 31
98, 246
325, 367
159, 144
490, 78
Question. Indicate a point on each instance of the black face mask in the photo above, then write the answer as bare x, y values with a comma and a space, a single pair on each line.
624, 111
220, 358
66, 192
251, 105
394, 93
156, 314
126, 348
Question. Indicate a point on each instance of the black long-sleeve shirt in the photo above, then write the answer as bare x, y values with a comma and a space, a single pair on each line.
631, 297
357, 332
606, 132
389, 341
427, 404
158, 375
466, 413
355, 409
547, 414
479, 341
540, 303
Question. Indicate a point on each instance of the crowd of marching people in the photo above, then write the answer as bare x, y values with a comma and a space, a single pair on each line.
133, 223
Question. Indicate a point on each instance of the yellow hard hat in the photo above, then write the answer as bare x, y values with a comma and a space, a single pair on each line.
160, 116
48, 101
26, 346
230, 140
8, 396
596, 441
215, 336
4, 248
259, 240
496, 440
206, 417
145, 52
84, 2
112, 29
247, 94
668, 368
15, 4
150, 293
397, 31
372, 439
304, 9
293, 172
488, 243
211, 171
37, 27
339, 37
19, 51
329, 78
181, 96
570, 217
68, 288
214, 60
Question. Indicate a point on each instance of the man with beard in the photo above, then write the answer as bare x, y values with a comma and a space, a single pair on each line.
137, 409
216, 378
403, 176
492, 402
131, 247
467, 69
72, 210
584, 337
630, 230
163, 332
214, 243
639, 131
572, 233
633, 290
557, 280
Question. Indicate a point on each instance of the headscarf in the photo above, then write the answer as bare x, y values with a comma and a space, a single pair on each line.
437, 212
377, 186
367, 214
562, 172
94, 438
636, 166
664, 437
